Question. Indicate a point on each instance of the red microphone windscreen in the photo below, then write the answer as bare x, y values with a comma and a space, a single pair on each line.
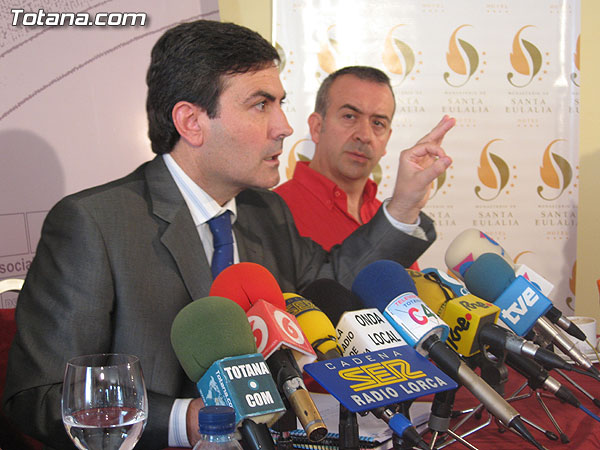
246, 283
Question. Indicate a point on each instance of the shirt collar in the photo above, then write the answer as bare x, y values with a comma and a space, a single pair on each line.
325, 189
201, 205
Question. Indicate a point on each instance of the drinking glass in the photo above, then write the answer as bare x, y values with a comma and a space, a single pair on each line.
104, 401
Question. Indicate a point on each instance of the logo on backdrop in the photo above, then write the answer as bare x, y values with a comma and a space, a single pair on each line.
493, 172
441, 184
326, 55
576, 56
462, 59
570, 300
306, 146
525, 59
294, 156
282, 59
556, 173
398, 57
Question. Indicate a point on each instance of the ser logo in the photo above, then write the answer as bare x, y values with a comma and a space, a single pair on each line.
380, 374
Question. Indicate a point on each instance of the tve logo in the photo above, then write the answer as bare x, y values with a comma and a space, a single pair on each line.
522, 305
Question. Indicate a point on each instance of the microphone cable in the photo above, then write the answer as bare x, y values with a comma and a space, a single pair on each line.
589, 413
584, 372
594, 400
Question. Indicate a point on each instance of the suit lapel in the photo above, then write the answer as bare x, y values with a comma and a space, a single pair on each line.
179, 234
248, 243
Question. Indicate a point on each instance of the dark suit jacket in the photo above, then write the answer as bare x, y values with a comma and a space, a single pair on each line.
115, 264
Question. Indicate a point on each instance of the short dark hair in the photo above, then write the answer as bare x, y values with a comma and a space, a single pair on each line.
189, 63
362, 72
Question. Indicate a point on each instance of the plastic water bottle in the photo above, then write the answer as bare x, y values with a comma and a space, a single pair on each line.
217, 425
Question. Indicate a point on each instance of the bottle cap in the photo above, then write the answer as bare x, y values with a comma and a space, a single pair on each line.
216, 420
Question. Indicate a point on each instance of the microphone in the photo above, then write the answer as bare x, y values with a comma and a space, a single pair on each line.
361, 331
387, 286
467, 247
278, 337
321, 333
457, 287
472, 243
491, 278
332, 298
554, 314
538, 377
316, 326
215, 346
472, 323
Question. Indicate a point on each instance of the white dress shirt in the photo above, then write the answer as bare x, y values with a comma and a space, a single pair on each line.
202, 208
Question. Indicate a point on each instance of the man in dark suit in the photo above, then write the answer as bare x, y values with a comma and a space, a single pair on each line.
115, 263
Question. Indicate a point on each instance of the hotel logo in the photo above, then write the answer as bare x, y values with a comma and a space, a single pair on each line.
293, 159
462, 59
525, 59
398, 57
440, 183
306, 146
326, 55
282, 59
556, 173
493, 173
576, 57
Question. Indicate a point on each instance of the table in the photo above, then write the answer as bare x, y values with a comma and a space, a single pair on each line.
582, 430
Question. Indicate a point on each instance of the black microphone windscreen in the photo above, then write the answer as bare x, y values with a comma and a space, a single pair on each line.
332, 298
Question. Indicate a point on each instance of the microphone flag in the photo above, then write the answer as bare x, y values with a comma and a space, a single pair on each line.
364, 382
274, 328
245, 384
366, 330
466, 316
522, 304
543, 285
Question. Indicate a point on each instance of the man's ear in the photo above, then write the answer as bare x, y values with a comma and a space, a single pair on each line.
190, 120
388, 140
315, 124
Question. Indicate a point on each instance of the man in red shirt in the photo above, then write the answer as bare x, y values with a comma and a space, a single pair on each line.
332, 196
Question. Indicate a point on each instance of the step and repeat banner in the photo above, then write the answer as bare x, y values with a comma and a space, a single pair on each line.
508, 71
72, 113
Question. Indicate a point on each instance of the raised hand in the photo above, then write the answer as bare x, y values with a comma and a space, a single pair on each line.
419, 166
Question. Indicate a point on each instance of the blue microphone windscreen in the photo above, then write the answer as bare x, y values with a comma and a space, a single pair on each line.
489, 276
381, 282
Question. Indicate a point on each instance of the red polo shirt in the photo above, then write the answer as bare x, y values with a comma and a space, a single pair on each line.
320, 207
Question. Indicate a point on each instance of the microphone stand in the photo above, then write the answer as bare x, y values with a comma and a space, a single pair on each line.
348, 430
399, 442
284, 426
534, 386
533, 390
495, 374
439, 420
516, 397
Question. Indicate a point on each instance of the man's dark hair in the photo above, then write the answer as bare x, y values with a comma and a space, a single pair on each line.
362, 72
189, 63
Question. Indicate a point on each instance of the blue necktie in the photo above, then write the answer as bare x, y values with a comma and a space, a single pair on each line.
220, 227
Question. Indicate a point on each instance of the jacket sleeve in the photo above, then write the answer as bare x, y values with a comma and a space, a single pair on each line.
65, 309
296, 261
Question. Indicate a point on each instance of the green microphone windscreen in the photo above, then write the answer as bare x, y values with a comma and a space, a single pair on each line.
207, 330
